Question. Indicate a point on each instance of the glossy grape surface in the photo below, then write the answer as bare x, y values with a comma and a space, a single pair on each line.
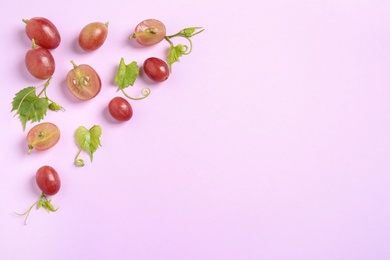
40, 62
149, 32
156, 69
44, 32
83, 82
48, 180
93, 35
120, 109
43, 136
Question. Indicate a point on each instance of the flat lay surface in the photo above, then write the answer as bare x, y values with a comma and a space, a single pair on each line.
270, 140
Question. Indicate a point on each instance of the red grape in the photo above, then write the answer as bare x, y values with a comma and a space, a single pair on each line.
48, 180
149, 32
40, 62
43, 31
93, 35
120, 109
83, 81
156, 69
43, 136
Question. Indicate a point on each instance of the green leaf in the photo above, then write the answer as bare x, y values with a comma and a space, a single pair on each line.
40, 204
127, 74
29, 106
89, 140
175, 52
48, 206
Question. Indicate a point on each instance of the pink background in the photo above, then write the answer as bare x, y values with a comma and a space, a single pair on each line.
270, 141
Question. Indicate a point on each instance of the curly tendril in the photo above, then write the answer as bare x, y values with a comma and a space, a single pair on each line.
144, 93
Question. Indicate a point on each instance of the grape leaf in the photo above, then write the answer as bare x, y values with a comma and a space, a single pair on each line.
175, 52
127, 74
29, 106
89, 140
46, 204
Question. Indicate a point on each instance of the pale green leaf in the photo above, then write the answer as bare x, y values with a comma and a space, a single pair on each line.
175, 52
127, 74
89, 140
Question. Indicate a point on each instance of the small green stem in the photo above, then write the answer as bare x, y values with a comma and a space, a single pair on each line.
42, 199
34, 45
45, 87
168, 39
27, 213
74, 64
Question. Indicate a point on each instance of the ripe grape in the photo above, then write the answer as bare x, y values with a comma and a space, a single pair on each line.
120, 109
149, 32
43, 31
156, 69
93, 35
43, 136
83, 81
48, 180
40, 62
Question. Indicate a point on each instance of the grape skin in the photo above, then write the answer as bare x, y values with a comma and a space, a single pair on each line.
48, 180
92, 36
120, 109
40, 63
156, 69
43, 31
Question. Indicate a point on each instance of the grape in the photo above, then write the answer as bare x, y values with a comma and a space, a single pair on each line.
43, 136
83, 81
48, 180
40, 62
156, 69
93, 35
43, 31
120, 109
149, 32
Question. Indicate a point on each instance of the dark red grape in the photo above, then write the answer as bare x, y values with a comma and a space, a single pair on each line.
43, 31
156, 69
40, 62
93, 35
120, 109
48, 180
83, 81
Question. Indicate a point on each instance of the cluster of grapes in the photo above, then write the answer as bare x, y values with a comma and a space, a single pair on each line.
84, 83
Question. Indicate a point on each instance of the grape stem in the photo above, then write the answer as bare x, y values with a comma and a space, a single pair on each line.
43, 201
186, 33
34, 45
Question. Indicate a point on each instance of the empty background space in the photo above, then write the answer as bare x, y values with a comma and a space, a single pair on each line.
271, 140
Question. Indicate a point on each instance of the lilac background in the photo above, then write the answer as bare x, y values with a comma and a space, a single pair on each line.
270, 141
